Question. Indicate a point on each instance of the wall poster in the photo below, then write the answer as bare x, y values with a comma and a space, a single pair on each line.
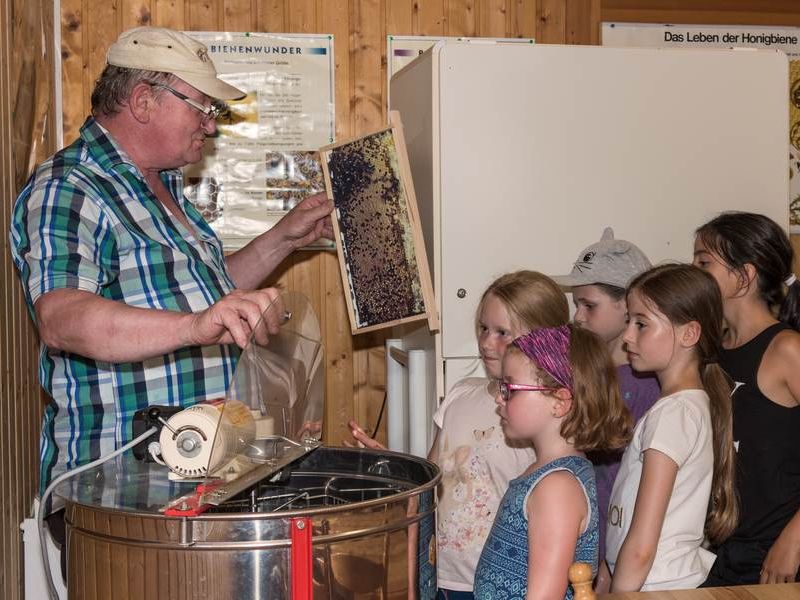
263, 158
787, 39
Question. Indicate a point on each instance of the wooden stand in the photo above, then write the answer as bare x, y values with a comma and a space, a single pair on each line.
580, 576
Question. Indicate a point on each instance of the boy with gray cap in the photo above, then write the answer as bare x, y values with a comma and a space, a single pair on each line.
598, 283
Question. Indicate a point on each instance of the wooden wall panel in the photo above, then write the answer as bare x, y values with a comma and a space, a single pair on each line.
135, 13
493, 17
582, 22
462, 18
430, 18
400, 16
713, 12
237, 15
102, 24
340, 370
522, 18
27, 135
168, 13
550, 21
203, 15
270, 16
72, 57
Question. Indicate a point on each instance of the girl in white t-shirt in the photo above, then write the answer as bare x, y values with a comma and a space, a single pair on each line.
476, 460
675, 484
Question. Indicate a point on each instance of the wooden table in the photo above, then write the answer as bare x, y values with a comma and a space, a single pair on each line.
782, 591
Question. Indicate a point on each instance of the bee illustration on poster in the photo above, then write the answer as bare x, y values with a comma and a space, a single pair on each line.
377, 231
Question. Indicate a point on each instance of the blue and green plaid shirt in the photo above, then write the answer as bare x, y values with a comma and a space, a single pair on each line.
87, 220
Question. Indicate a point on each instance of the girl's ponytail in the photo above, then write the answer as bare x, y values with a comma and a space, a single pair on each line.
790, 307
723, 508
684, 293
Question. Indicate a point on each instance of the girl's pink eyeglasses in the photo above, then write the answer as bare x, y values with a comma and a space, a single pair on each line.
506, 389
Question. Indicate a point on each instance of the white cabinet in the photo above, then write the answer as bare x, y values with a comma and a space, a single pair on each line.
522, 154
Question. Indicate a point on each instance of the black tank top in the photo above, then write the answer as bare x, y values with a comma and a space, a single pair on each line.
768, 453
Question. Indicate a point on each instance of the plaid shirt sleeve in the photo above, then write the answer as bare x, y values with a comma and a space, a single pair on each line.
64, 240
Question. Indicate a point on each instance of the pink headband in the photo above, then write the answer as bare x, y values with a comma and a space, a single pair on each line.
548, 347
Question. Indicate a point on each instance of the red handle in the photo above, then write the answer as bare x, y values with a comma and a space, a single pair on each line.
302, 584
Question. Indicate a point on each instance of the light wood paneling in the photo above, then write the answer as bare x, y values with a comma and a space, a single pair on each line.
551, 21
168, 13
237, 15
400, 17
493, 18
135, 13
429, 17
203, 15
522, 18
270, 16
582, 22
26, 136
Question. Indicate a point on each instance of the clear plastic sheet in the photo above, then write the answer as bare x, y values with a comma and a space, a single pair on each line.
272, 413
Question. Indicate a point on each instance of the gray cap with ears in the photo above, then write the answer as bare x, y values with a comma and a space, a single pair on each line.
609, 261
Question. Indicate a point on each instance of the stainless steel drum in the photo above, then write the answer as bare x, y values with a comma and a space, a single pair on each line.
370, 515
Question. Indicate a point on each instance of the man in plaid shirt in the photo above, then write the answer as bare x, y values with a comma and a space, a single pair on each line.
134, 300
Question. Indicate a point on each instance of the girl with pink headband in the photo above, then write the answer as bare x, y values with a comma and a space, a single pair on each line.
559, 392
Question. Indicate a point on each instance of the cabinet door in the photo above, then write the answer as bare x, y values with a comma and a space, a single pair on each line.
456, 369
543, 146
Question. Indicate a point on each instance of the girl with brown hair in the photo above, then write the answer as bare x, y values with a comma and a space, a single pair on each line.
676, 484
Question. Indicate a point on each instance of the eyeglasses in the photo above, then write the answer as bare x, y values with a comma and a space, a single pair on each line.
506, 389
208, 112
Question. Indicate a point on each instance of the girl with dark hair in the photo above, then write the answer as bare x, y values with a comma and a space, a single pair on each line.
675, 485
750, 257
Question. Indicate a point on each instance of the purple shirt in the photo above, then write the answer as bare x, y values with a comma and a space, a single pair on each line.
639, 392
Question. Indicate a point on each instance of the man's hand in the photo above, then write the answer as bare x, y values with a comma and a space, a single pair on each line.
237, 317
308, 221
303, 225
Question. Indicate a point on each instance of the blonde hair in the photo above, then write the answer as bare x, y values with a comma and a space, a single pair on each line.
684, 293
532, 300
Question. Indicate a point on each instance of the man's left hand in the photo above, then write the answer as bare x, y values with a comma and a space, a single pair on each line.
308, 221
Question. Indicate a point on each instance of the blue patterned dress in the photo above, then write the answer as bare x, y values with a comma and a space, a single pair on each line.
503, 567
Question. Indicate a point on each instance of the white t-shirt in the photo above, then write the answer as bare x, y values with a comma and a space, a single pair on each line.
477, 463
678, 425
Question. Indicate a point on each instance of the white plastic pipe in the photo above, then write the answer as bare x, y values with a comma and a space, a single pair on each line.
418, 417
396, 398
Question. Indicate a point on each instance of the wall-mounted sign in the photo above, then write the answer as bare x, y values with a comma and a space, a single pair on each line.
263, 159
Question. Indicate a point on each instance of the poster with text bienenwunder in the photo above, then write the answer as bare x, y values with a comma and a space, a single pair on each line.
263, 158
787, 39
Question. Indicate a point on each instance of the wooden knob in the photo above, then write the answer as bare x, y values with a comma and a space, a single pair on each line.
580, 576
